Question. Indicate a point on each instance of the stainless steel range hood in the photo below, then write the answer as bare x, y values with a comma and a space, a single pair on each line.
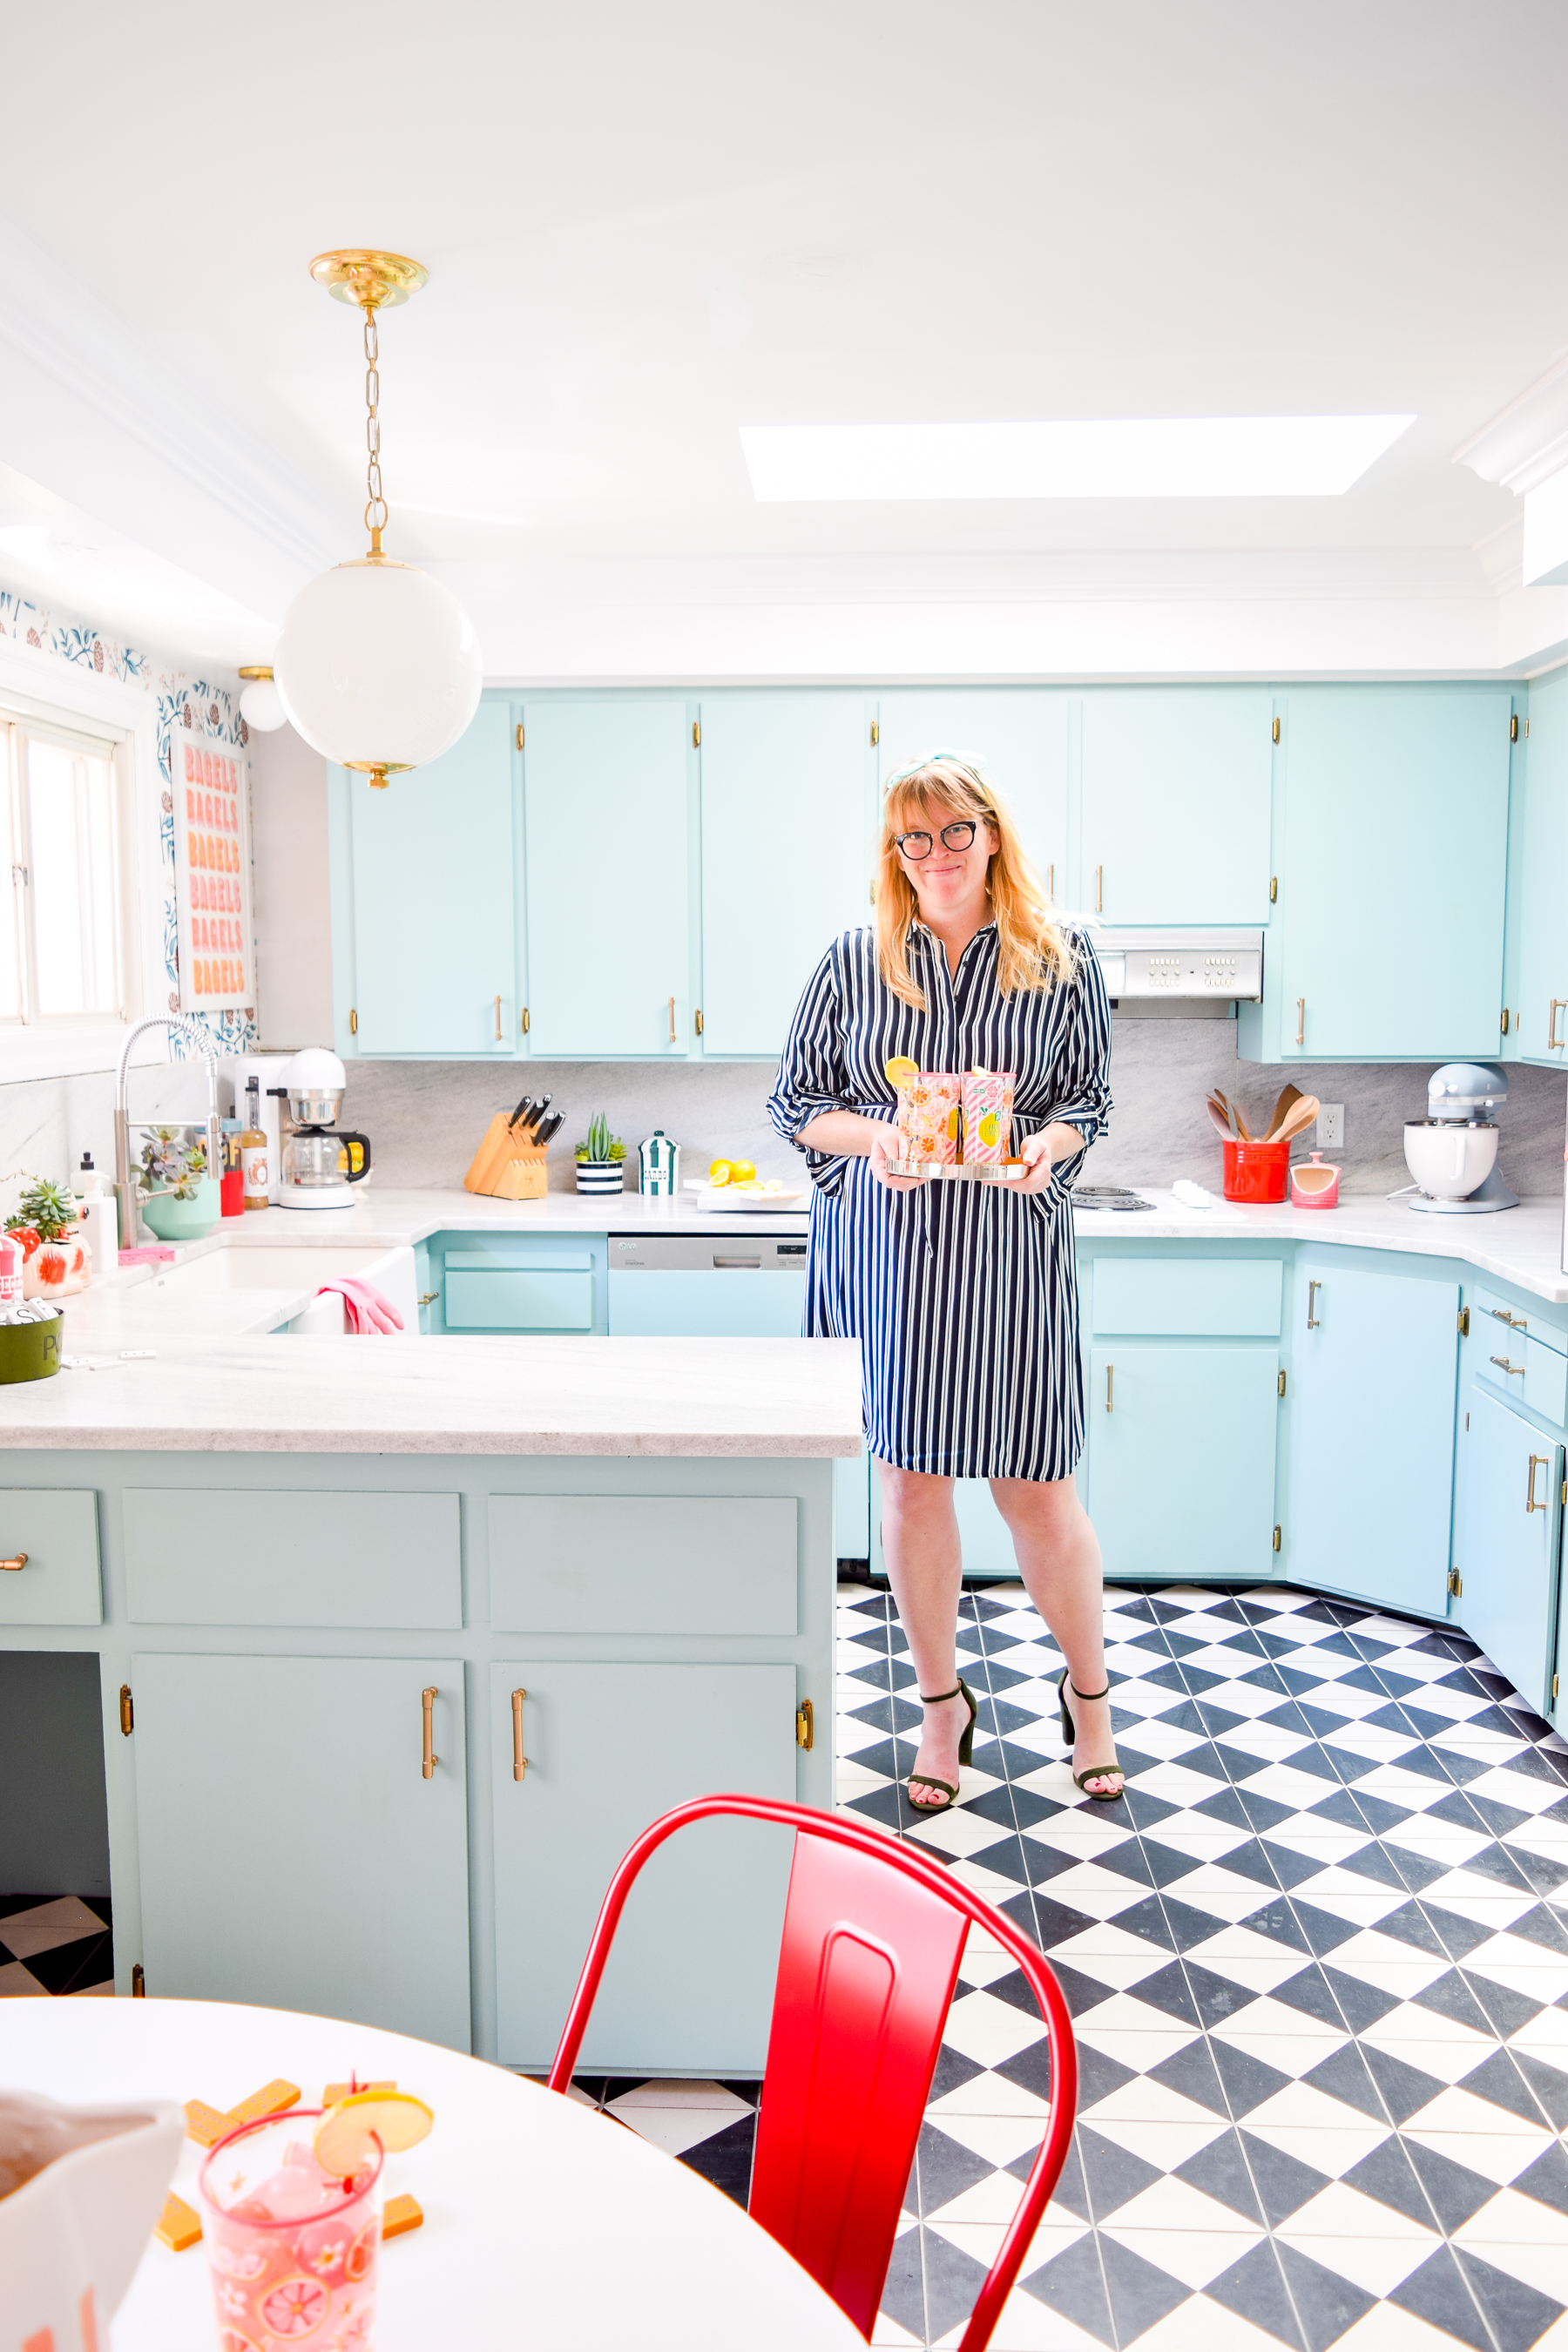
1181, 975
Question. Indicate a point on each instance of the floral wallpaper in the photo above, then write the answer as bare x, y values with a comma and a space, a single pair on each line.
182, 702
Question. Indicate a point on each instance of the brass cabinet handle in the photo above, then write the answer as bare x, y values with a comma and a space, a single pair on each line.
1110, 1387
1300, 1021
1099, 889
1514, 1322
428, 1297
427, 1700
672, 1020
127, 1711
498, 1019
1314, 1320
1555, 1043
20, 1561
1537, 1462
519, 1760
1504, 1366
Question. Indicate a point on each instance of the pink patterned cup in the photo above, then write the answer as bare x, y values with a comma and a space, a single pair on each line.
988, 1114
291, 2249
927, 1119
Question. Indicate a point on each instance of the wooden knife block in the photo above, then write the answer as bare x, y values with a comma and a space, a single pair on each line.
505, 1169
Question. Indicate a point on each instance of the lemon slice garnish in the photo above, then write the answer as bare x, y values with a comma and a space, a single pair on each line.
900, 1071
719, 1173
345, 2135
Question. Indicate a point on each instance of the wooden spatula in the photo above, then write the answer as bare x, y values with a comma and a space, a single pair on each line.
1240, 1124
1298, 1118
1288, 1094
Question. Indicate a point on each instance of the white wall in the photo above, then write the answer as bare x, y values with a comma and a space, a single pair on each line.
292, 891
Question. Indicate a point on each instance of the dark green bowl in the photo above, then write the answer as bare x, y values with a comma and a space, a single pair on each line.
30, 1351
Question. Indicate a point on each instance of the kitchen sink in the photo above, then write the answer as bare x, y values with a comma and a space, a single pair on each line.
271, 1269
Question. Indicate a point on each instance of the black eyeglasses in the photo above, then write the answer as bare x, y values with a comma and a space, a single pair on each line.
957, 838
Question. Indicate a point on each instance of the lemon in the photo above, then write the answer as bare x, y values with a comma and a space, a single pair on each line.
719, 1172
900, 1071
741, 1172
990, 1128
345, 2136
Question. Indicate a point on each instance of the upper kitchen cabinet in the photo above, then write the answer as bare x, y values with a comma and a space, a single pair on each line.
1540, 1018
786, 781
1020, 736
1176, 824
1387, 942
424, 897
604, 817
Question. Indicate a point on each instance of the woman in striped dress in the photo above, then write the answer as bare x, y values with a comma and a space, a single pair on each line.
963, 1296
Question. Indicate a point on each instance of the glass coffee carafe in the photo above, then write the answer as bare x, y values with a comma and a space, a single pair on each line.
321, 1160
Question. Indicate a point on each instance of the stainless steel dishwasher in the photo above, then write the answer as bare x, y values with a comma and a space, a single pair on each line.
728, 1286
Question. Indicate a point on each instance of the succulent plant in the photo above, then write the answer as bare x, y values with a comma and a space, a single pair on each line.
600, 1144
48, 1208
171, 1164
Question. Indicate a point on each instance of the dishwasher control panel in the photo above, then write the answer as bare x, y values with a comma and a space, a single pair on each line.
719, 1253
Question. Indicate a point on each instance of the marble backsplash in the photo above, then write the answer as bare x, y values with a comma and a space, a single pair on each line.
425, 1120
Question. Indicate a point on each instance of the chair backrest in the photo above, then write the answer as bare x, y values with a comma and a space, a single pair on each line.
874, 1932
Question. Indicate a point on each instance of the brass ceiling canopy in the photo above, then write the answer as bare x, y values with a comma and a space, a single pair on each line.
370, 280
255, 669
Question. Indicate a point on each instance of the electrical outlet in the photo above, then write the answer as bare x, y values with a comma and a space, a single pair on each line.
1330, 1129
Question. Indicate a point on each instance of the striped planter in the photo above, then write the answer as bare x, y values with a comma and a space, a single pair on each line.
601, 1175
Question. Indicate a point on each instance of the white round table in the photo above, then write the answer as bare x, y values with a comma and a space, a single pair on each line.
545, 2223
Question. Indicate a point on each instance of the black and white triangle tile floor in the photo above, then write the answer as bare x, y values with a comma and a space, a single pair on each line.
1318, 1965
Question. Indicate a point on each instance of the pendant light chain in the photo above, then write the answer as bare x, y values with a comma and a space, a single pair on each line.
375, 511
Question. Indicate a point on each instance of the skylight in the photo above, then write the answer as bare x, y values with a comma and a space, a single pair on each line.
1090, 458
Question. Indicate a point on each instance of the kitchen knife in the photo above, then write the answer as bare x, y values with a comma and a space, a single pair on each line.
519, 1111
536, 1115
542, 1135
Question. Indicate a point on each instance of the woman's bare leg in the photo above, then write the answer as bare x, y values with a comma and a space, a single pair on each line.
919, 1544
1058, 1558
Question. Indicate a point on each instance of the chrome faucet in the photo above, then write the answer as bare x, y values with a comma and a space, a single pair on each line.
195, 1034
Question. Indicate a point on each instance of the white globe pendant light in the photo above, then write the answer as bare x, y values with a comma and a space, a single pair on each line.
377, 666
261, 705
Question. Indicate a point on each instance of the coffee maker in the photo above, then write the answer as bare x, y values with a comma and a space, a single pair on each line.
321, 1160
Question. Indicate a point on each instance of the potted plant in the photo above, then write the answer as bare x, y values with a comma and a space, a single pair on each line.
601, 1160
56, 1259
182, 1202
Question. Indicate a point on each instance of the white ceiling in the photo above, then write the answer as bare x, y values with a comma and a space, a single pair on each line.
647, 226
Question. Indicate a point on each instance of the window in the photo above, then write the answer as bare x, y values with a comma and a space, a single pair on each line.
60, 921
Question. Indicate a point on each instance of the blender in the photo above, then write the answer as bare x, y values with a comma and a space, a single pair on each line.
1452, 1152
318, 1158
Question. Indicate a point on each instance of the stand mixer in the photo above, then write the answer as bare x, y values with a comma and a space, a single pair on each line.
1452, 1152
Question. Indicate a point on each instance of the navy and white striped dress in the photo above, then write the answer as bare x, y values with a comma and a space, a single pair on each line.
963, 1297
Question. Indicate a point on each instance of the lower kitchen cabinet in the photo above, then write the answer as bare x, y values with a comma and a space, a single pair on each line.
1370, 1414
609, 1748
1181, 1460
1505, 1540
292, 1853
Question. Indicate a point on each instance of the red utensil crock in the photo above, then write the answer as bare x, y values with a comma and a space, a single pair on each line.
1256, 1172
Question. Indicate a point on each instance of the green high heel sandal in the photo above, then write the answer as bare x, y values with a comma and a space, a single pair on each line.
1070, 1733
965, 1748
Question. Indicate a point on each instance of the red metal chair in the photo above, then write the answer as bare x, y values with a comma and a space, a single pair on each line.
873, 1935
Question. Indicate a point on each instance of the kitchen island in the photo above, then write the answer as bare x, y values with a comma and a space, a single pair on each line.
399, 1646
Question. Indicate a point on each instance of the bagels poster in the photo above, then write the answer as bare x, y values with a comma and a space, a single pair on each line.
212, 875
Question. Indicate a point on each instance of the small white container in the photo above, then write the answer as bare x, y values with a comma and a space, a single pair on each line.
73, 2233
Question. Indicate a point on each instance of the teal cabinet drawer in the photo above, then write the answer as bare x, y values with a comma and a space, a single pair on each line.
1162, 1297
59, 1582
643, 1564
1487, 1310
272, 1557
519, 1299
1526, 1372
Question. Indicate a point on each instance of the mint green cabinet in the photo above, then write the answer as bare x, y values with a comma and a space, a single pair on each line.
1505, 1540
1021, 737
1392, 841
1370, 1415
1181, 1459
605, 815
425, 945
785, 791
608, 1748
291, 1852
1176, 804
1540, 1017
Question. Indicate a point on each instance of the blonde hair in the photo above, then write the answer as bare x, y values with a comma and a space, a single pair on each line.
1031, 950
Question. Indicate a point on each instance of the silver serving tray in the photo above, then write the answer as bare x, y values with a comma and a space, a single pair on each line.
977, 1172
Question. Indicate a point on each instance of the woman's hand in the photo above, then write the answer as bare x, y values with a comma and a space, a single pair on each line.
857, 1137
1039, 1154
883, 1146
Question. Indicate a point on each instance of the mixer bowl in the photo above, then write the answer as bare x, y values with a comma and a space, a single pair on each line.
1450, 1158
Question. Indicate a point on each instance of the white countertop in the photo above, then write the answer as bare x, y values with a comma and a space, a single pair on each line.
736, 1398
392, 1216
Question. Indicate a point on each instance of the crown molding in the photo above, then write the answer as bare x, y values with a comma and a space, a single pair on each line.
1528, 440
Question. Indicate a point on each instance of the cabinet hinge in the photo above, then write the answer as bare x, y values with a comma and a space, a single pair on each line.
1280, 1384
127, 1711
804, 1725
1276, 730
1554, 1686
1503, 1025
353, 1023
697, 734
527, 1020
138, 1982
1456, 1583
876, 734
1513, 728
1274, 890
697, 1017
1278, 1537
1527, 731
1464, 1322
520, 734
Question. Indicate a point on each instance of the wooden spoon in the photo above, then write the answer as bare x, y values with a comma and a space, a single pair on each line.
1240, 1124
1288, 1094
1220, 1120
1297, 1119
